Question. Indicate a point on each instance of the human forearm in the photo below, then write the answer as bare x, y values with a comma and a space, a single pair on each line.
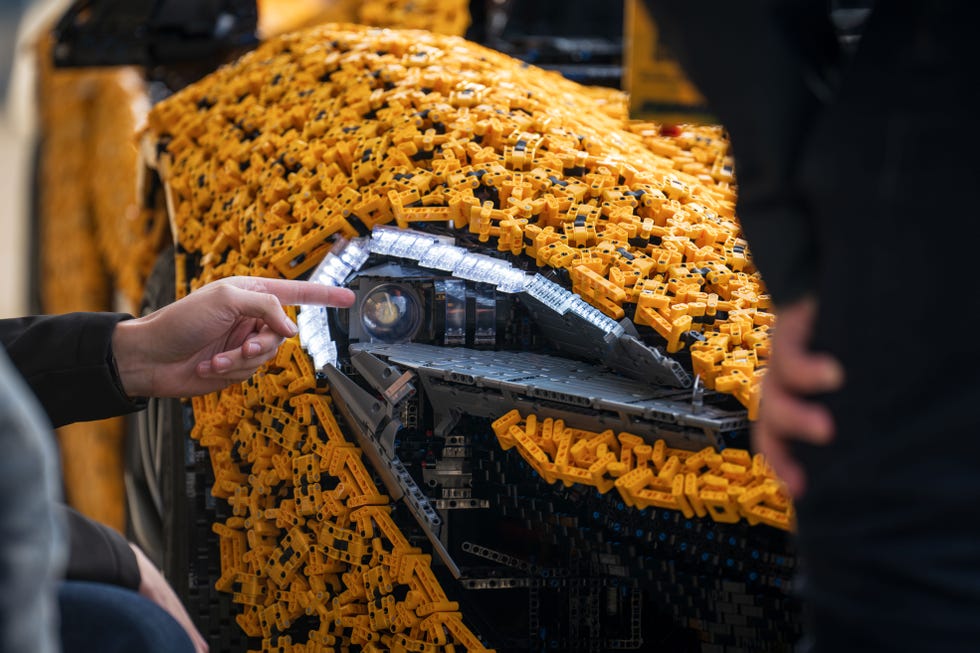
217, 335
97, 553
65, 361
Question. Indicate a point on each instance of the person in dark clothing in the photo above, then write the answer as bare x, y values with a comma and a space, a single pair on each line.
99, 616
855, 177
31, 543
85, 366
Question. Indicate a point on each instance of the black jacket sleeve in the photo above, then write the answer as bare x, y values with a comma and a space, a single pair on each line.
98, 553
66, 360
765, 67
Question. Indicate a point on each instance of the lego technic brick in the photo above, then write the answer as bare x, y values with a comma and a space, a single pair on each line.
490, 381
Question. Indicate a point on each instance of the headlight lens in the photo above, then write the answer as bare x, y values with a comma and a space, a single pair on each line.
391, 313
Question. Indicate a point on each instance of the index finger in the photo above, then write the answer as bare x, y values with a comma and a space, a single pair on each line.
295, 292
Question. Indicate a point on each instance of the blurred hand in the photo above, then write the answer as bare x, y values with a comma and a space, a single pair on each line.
215, 336
794, 372
156, 588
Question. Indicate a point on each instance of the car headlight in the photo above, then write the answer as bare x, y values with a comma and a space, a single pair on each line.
390, 313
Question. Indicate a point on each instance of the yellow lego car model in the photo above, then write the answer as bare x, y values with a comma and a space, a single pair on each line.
529, 431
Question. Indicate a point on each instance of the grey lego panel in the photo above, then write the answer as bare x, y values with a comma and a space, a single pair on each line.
387, 381
631, 356
527, 376
366, 418
496, 583
576, 328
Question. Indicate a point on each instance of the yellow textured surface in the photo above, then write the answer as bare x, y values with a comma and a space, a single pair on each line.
450, 17
441, 16
130, 235
72, 275
92, 467
86, 200
280, 16
331, 549
727, 485
98, 239
318, 134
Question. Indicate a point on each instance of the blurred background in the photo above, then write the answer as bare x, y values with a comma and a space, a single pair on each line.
13, 254
13, 242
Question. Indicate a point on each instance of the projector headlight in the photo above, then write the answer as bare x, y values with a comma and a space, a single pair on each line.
390, 313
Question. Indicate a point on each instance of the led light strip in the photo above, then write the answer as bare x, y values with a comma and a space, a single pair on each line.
439, 253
